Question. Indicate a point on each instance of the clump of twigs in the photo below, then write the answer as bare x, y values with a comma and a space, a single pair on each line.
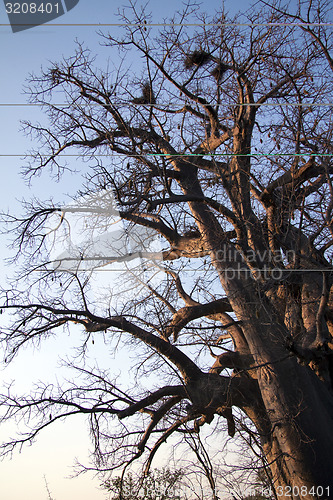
147, 96
200, 58
55, 76
219, 71
196, 58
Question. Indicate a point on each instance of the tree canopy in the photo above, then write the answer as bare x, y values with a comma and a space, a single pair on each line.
217, 160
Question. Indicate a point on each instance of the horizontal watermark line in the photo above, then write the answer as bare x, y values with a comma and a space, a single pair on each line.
160, 107
177, 155
147, 25
240, 155
179, 270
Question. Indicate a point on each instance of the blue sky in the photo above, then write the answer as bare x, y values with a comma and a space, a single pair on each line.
22, 53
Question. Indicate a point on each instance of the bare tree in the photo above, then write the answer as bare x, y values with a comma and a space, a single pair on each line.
223, 148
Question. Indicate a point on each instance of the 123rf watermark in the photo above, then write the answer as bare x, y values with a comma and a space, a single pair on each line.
177, 492
24, 15
322, 492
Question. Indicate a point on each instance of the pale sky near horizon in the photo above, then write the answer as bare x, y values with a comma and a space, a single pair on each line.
54, 453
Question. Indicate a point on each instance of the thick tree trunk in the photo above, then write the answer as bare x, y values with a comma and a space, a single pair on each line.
298, 437
297, 406
299, 446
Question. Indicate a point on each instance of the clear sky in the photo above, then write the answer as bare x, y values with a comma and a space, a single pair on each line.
22, 478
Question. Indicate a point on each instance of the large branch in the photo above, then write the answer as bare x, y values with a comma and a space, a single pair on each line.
155, 419
186, 314
163, 439
187, 367
177, 390
306, 172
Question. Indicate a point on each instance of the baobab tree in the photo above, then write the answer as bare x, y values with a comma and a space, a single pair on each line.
222, 147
